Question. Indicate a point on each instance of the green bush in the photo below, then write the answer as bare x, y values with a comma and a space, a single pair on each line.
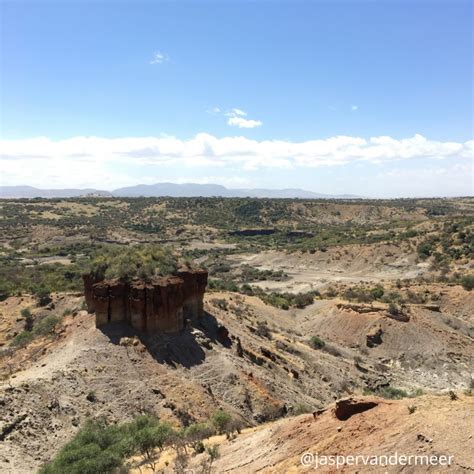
102, 448
316, 343
196, 433
392, 393
28, 317
97, 448
23, 338
425, 249
146, 435
44, 295
46, 325
221, 421
377, 292
43, 327
127, 262
467, 282
222, 285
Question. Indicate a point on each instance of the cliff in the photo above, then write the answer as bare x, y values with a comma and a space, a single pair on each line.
161, 304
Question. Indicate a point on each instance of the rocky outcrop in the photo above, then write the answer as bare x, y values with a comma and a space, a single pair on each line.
88, 296
348, 407
195, 282
374, 337
161, 304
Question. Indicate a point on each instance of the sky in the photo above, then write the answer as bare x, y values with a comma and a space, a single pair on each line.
373, 98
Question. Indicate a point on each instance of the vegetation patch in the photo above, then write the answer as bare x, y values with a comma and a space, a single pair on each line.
127, 262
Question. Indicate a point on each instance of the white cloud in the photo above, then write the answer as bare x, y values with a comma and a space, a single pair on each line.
159, 57
236, 119
234, 112
214, 110
243, 123
354, 107
83, 161
451, 179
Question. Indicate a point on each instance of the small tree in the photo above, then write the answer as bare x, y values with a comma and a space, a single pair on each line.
377, 292
196, 433
213, 453
148, 435
43, 295
28, 317
221, 420
316, 343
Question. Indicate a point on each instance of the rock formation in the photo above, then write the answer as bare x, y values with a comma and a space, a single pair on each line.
161, 304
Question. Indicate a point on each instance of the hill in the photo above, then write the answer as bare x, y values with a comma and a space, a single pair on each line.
164, 189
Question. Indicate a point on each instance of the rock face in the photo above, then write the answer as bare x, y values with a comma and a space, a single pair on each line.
161, 304
348, 407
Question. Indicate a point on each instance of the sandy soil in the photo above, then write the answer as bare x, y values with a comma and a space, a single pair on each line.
355, 263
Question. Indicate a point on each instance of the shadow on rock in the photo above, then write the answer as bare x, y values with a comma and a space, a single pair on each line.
186, 348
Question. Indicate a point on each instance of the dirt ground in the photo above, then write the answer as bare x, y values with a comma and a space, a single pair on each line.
353, 264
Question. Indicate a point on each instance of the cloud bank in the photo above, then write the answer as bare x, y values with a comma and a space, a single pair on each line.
73, 161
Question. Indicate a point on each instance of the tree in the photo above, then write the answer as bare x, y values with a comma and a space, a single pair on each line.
28, 317
213, 454
97, 447
196, 433
221, 420
377, 292
148, 435
43, 295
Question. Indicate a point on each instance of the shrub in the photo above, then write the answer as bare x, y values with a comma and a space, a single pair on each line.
467, 282
377, 292
302, 300
42, 328
330, 349
196, 433
393, 309
263, 330
23, 338
222, 285
147, 434
425, 249
213, 452
102, 448
316, 343
392, 393
124, 262
221, 420
96, 448
43, 295
417, 393
28, 317
301, 409
46, 325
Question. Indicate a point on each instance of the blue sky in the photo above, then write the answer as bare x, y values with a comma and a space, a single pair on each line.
286, 80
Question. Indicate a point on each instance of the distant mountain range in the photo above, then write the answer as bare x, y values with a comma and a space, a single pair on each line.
166, 189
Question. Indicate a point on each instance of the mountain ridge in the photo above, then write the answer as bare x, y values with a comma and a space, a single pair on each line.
166, 189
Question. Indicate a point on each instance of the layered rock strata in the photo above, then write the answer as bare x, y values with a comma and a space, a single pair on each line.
161, 304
